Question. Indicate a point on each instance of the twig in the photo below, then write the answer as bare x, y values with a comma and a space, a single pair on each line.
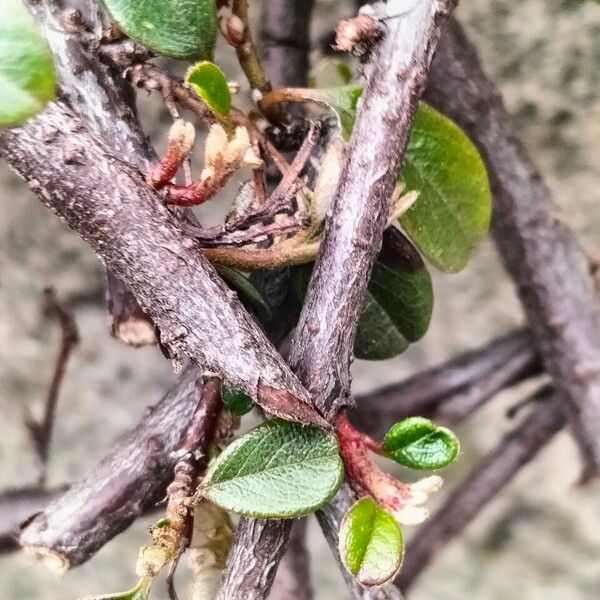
132, 478
246, 51
110, 206
41, 431
541, 254
292, 581
322, 346
452, 390
489, 478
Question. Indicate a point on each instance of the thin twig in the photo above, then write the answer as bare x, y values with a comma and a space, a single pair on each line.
41, 431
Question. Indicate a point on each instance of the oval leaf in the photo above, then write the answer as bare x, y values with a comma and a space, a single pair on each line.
453, 210
398, 303
277, 470
418, 443
370, 543
26, 67
235, 400
208, 81
184, 29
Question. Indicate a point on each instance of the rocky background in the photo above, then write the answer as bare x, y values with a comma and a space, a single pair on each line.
539, 539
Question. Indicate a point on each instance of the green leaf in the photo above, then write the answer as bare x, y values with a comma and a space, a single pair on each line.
277, 470
235, 400
184, 29
250, 296
418, 443
370, 543
453, 210
398, 303
26, 67
208, 81
139, 592
330, 72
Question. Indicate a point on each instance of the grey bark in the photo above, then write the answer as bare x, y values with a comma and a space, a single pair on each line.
539, 251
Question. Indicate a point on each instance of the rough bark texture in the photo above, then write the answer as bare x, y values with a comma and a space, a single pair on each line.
515, 450
397, 74
292, 581
453, 390
131, 479
541, 254
108, 203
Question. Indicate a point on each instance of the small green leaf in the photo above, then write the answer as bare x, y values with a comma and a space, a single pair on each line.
277, 470
26, 67
452, 213
208, 81
235, 400
139, 592
184, 29
418, 443
330, 72
398, 303
370, 543
250, 296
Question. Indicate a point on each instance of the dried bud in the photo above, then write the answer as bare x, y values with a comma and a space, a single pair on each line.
182, 135
357, 35
180, 141
233, 30
216, 145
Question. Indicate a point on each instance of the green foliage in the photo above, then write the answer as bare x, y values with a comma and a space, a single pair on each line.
139, 592
453, 211
26, 67
250, 296
184, 29
208, 81
418, 443
398, 303
235, 400
370, 543
277, 470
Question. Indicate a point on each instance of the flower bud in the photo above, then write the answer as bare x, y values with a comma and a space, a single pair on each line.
233, 30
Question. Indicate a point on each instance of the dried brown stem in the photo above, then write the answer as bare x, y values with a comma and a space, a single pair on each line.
488, 479
541, 253
41, 431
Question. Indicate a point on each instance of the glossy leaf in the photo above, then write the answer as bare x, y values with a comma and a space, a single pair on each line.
398, 303
279, 470
184, 29
26, 67
236, 401
418, 443
208, 81
250, 296
139, 592
370, 543
453, 211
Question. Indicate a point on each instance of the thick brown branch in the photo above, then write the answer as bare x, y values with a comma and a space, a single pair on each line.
108, 203
453, 390
541, 254
132, 478
492, 475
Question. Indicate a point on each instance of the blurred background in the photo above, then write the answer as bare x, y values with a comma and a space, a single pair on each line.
540, 538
